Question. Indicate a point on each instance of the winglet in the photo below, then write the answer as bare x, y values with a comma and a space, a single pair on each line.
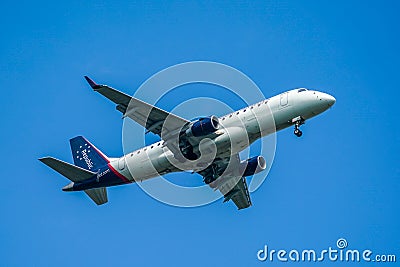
92, 83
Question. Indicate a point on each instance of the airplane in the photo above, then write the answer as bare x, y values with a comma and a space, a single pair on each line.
208, 146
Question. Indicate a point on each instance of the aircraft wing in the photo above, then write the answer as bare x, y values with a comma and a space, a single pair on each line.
239, 194
231, 184
154, 119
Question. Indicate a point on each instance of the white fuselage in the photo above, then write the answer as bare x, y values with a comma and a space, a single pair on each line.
238, 130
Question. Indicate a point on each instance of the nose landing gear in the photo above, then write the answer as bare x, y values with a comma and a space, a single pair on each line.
297, 122
298, 132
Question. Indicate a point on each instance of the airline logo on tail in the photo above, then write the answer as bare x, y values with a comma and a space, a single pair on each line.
85, 156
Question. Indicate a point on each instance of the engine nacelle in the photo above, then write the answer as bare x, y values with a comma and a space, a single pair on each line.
253, 165
204, 126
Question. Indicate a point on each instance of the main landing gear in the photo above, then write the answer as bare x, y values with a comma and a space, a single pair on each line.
211, 174
297, 122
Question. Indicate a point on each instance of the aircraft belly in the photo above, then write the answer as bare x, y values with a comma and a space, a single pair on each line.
104, 177
149, 164
235, 139
283, 117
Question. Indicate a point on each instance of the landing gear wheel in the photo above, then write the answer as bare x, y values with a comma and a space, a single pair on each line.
297, 122
298, 133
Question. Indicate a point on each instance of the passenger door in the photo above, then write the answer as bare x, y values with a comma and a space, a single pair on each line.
284, 100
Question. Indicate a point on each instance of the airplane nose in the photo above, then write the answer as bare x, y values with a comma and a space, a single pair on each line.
329, 99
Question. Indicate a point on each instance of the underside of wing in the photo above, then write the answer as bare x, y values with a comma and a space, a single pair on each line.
154, 119
239, 194
229, 182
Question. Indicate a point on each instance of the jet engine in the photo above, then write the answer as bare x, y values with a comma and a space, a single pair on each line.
199, 128
204, 126
253, 165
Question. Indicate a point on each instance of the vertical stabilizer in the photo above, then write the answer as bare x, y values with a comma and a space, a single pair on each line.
86, 155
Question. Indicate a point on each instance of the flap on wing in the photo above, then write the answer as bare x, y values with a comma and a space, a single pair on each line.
242, 199
231, 183
239, 194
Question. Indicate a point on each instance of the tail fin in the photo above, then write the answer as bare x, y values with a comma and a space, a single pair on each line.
76, 174
86, 155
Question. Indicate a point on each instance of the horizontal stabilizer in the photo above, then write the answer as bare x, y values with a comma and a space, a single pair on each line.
72, 172
98, 195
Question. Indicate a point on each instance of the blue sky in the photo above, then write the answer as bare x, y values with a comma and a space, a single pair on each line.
341, 179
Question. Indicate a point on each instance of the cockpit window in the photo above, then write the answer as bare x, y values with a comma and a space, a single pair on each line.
301, 90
